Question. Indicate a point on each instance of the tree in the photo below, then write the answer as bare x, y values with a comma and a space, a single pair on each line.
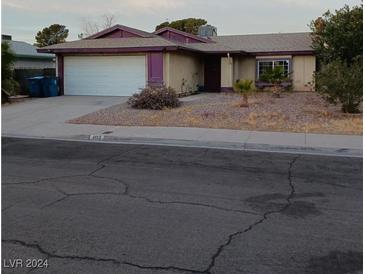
339, 83
54, 34
337, 40
189, 25
339, 35
91, 27
162, 25
7, 59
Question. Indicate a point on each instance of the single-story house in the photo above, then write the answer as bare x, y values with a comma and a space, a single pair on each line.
120, 60
27, 56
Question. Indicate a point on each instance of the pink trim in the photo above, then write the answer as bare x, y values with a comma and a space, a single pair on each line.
155, 68
191, 38
135, 32
60, 72
118, 33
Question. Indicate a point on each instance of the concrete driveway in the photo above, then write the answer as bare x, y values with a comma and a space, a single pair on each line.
45, 117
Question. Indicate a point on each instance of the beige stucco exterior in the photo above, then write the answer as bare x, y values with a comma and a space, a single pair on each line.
244, 67
183, 71
303, 68
226, 72
188, 68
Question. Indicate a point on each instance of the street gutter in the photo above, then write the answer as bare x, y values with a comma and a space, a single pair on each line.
102, 138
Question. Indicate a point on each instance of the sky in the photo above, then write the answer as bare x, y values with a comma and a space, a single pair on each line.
24, 18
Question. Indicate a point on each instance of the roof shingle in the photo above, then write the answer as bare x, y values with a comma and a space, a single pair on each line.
23, 49
267, 42
252, 43
113, 43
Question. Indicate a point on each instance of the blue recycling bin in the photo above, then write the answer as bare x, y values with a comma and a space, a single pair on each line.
35, 86
50, 86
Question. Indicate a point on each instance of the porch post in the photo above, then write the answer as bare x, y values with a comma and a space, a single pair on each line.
227, 73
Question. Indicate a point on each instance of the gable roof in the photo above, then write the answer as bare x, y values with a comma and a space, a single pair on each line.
137, 32
185, 34
108, 44
24, 50
274, 43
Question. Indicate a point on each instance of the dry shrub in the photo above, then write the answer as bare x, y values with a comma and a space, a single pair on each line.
156, 98
252, 119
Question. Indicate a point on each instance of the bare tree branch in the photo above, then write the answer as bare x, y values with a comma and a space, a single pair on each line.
90, 27
108, 20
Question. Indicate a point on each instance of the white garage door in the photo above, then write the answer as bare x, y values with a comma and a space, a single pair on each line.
104, 75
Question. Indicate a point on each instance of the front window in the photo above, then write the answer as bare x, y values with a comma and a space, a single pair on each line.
264, 65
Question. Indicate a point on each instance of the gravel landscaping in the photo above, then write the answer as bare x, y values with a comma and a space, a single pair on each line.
293, 112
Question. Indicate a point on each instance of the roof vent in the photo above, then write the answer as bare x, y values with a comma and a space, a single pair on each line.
207, 31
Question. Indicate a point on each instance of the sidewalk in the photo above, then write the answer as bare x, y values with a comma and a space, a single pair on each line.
45, 118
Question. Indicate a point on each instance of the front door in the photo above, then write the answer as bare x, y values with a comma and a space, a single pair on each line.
212, 73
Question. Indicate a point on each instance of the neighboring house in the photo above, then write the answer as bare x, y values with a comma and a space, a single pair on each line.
27, 56
120, 60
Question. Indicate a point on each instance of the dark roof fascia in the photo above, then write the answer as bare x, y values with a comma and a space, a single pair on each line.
226, 52
288, 52
108, 50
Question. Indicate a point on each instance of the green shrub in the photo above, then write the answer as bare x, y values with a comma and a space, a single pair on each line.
7, 59
274, 76
341, 83
244, 87
11, 86
155, 98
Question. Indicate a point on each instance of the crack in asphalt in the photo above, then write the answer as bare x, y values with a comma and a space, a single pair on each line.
6, 208
114, 156
126, 192
264, 217
43, 179
193, 204
96, 259
91, 174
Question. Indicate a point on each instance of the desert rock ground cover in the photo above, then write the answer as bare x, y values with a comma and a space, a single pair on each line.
293, 112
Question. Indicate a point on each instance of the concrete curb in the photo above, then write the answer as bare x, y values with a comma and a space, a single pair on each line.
324, 151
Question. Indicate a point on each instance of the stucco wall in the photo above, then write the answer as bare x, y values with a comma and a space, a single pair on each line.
244, 68
303, 68
182, 68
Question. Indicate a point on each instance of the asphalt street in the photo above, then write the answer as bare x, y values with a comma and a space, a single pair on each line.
77, 207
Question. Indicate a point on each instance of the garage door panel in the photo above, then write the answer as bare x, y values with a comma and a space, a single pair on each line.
104, 75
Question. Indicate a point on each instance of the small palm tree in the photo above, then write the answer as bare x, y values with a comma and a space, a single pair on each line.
243, 87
